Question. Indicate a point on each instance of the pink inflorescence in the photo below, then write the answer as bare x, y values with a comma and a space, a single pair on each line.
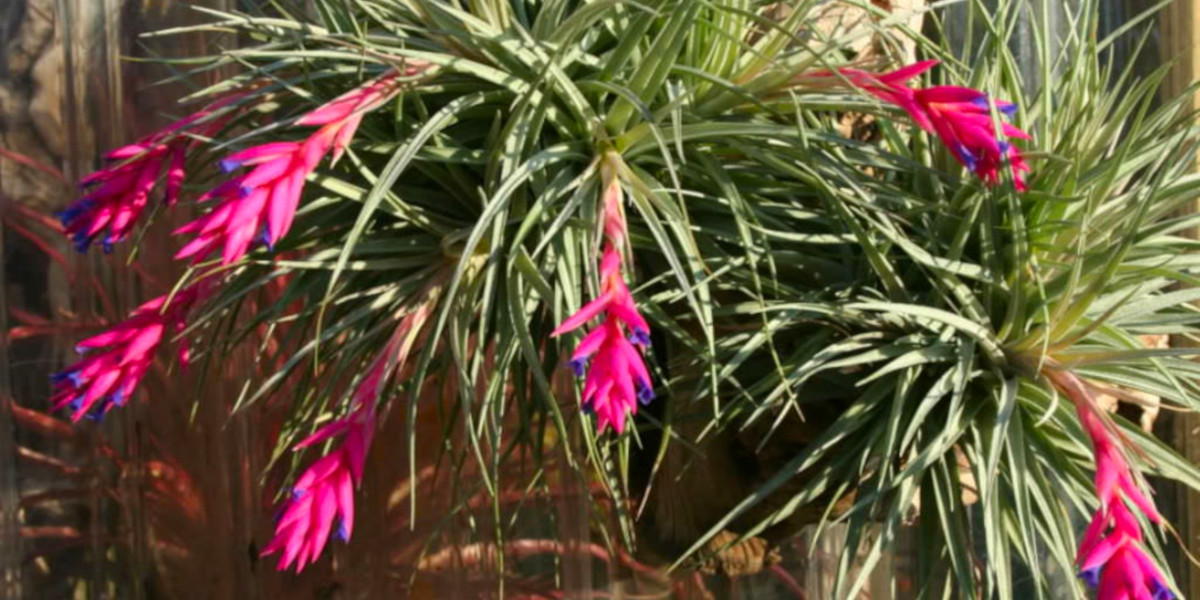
1112, 558
117, 195
615, 374
116, 361
322, 499
263, 200
961, 118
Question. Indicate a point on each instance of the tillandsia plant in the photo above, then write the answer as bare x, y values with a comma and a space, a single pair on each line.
822, 327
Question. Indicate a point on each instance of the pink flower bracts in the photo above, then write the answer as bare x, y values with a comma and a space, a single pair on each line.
116, 361
959, 116
608, 358
263, 201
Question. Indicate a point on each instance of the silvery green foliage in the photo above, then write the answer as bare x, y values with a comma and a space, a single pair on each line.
780, 262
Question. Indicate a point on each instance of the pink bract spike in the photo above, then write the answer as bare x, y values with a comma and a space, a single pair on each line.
121, 191
119, 357
1112, 558
322, 499
616, 378
269, 194
959, 116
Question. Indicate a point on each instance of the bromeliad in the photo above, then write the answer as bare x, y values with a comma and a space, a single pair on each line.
813, 287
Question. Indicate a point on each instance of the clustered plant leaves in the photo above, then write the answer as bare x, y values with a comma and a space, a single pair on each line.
786, 269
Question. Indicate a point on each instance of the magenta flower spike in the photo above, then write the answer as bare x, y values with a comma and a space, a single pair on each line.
960, 117
116, 195
1112, 556
608, 358
321, 503
322, 499
116, 360
262, 202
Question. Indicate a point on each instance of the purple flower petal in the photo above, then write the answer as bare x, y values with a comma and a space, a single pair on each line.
579, 366
1091, 577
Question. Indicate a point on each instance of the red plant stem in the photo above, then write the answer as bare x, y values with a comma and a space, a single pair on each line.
42, 423
22, 332
33, 164
43, 460
32, 214
30, 533
29, 318
49, 250
34, 325
788, 581
473, 555
46, 425
38, 241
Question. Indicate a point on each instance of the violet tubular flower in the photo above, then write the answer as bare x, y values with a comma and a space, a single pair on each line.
615, 376
116, 196
960, 117
116, 360
262, 202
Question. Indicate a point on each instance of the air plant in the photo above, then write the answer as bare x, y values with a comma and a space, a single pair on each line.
861, 313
